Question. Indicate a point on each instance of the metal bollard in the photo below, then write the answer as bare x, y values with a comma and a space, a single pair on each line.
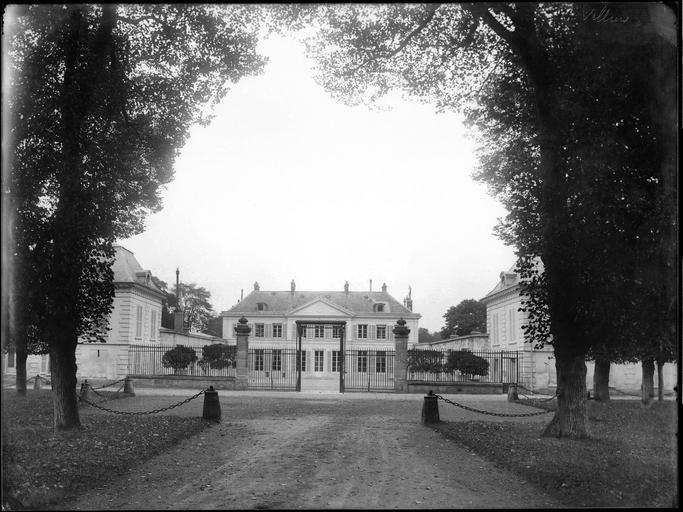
512, 393
128, 387
85, 390
212, 407
36, 384
430, 409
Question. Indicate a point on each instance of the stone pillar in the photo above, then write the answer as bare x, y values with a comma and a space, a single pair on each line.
242, 331
401, 359
178, 321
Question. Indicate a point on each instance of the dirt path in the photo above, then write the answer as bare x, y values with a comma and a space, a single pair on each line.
317, 453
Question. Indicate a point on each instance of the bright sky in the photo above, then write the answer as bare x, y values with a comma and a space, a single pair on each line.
288, 184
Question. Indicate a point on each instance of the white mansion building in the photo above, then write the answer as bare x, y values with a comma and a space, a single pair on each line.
369, 318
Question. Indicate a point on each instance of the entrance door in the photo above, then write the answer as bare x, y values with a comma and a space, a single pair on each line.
321, 364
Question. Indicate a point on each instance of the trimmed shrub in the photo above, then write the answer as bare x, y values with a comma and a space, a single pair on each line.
425, 360
467, 363
219, 356
179, 357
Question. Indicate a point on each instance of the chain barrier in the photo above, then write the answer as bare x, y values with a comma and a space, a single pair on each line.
527, 397
108, 385
141, 413
502, 414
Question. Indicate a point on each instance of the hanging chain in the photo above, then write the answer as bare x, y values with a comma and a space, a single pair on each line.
141, 413
108, 385
491, 413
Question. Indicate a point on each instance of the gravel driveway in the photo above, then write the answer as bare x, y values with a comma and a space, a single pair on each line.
301, 450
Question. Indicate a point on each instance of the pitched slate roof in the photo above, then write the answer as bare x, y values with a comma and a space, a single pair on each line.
505, 284
126, 269
284, 301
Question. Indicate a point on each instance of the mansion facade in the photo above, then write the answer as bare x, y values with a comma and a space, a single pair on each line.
365, 319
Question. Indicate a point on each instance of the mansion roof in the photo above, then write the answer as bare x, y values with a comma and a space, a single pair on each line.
127, 269
283, 302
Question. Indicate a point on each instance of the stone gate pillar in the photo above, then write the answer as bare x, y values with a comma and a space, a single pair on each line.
401, 359
242, 331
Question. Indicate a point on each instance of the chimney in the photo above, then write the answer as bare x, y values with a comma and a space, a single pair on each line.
384, 287
408, 301
256, 286
177, 289
293, 287
241, 294
370, 285
346, 287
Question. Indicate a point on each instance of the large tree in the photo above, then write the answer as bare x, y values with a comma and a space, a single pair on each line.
517, 71
101, 98
468, 316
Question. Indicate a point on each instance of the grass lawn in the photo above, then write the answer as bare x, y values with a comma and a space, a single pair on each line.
40, 468
629, 461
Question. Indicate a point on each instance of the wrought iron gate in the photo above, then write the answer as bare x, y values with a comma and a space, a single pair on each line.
369, 370
273, 369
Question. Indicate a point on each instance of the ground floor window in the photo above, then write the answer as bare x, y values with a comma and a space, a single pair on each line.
276, 364
302, 357
362, 360
258, 360
319, 361
335, 361
381, 361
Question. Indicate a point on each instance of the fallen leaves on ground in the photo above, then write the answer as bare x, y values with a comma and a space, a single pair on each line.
630, 459
41, 467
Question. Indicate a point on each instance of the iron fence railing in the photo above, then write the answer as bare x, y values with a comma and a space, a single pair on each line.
165, 360
369, 370
439, 365
272, 368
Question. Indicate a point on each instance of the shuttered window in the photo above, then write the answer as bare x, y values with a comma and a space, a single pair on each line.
381, 332
138, 322
277, 330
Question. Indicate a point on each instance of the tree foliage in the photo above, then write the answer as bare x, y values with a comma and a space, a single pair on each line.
100, 100
430, 361
468, 316
424, 336
576, 164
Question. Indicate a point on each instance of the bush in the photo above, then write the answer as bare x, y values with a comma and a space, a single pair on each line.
179, 357
219, 356
467, 363
425, 360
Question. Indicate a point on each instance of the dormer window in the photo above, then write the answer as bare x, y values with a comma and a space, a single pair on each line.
378, 308
262, 306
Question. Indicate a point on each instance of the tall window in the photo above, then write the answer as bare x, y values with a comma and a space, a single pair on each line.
362, 331
496, 339
319, 360
335, 361
153, 326
260, 330
319, 331
362, 360
302, 357
512, 334
277, 360
381, 332
258, 360
336, 331
381, 361
277, 330
138, 322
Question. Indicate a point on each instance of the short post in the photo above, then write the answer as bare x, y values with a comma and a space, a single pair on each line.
128, 387
430, 409
85, 390
36, 383
212, 407
512, 393
242, 331
401, 333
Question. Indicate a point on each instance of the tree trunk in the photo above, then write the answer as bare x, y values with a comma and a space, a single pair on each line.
570, 418
64, 396
601, 379
20, 365
647, 388
660, 380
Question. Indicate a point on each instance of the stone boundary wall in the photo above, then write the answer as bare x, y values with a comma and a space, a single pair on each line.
473, 388
186, 382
